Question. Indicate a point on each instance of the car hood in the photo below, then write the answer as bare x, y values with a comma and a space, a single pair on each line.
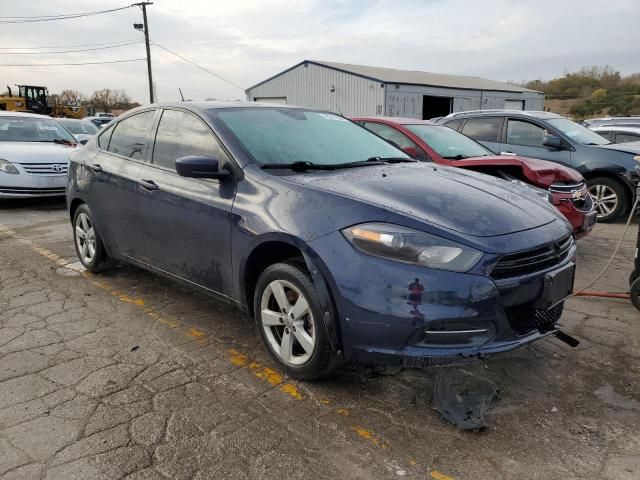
459, 200
35, 152
539, 172
631, 147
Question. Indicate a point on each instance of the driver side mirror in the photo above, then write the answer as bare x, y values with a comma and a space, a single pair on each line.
193, 166
552, 141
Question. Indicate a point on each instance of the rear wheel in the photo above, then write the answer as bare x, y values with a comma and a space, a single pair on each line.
88, 242
610, 198
289, 319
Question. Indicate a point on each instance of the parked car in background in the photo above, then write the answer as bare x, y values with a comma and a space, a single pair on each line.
618, 133
105, 114
427, 141
83, 130
286, 211
621, 121
34, 155
609, 172
99, 121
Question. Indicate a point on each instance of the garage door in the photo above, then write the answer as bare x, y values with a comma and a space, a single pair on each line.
280, 100
514, 104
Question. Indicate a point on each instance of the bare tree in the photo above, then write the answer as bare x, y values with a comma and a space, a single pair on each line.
71, 97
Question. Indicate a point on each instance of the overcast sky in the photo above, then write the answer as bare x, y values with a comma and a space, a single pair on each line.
247, 41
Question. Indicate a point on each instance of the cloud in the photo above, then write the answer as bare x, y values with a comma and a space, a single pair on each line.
249, 40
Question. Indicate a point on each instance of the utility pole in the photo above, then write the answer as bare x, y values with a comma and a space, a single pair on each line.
145, 28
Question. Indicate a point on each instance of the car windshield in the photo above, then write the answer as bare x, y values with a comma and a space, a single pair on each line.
577, 132
283, 136
32, 129
448, 143
75, 127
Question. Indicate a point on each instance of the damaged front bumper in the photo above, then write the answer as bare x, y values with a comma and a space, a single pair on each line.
396, 314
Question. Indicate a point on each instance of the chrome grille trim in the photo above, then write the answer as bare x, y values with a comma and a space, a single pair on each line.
567, 187
45, 168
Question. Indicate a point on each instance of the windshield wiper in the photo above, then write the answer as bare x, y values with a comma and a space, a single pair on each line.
390, 160
458, 157
297, 166
59, 141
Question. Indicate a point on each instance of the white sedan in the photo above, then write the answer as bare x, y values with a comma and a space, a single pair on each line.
34, 155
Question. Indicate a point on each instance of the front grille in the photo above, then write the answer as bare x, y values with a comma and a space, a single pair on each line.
45, 168
524, 318
33, 191
583, 204
567, 187
530, 261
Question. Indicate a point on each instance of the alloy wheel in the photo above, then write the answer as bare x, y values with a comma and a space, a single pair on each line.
85, 238
605, 198
288, 323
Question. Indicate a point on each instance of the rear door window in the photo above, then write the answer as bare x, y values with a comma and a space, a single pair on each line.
626, 137
181, 134
524, 133
483, 129
129, 138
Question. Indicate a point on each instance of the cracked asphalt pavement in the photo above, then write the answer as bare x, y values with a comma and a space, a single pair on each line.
128, 375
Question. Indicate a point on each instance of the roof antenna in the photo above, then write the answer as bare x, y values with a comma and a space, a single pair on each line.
181, 96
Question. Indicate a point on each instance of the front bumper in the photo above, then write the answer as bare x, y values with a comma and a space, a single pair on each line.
25, 185
579, 209
396, 314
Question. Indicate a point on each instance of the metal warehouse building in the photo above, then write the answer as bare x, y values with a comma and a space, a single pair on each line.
360, 90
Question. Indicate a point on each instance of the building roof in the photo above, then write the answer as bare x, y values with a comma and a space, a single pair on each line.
413, 77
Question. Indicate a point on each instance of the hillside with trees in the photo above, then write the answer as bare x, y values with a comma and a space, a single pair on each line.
591, 91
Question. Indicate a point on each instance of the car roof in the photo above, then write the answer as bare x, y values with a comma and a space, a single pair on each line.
523, 113
22, 114
398, 120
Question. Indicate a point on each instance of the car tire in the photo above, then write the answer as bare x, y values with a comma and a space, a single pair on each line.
88, 242
610, 198
634, 293
290, 321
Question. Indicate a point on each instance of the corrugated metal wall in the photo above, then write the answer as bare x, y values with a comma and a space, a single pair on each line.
311, 87
406, 100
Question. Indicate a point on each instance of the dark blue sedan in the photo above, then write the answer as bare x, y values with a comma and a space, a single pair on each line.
336, 242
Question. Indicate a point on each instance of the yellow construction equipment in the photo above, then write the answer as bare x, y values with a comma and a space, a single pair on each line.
35, 99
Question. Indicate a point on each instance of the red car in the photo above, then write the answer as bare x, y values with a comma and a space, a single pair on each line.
428, 141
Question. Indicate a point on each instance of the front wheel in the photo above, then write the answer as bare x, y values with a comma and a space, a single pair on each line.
290, 321
88, 242
610, 198
634, 293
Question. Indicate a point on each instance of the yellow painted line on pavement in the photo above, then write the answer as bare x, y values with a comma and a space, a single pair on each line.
436, 475
235, 357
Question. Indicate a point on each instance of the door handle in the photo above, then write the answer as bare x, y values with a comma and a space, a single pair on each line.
148, 185
95, 167
507, 153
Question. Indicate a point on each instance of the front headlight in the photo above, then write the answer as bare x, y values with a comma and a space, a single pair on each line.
411, 246
544, 194
8, 167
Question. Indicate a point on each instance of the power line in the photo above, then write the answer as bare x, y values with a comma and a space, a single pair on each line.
49, 18
65, 64
67, 46
198, 66
70, 51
